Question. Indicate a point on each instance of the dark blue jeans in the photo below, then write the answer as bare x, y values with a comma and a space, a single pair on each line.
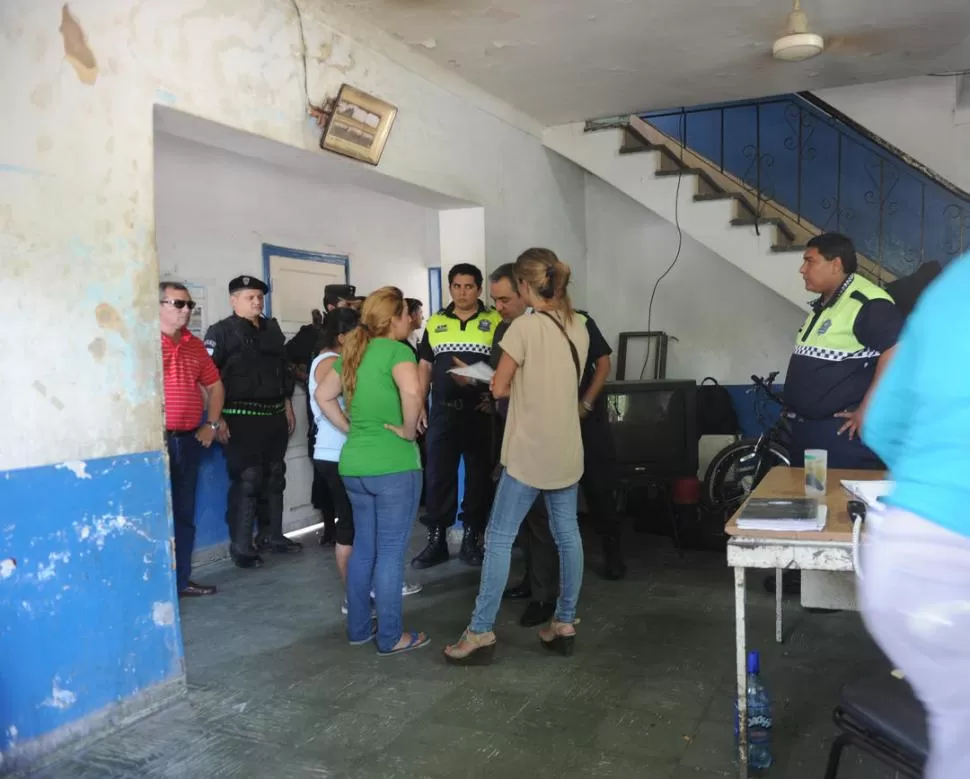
385, 508
184, 454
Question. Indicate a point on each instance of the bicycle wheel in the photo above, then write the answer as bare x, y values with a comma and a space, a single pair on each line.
737, 469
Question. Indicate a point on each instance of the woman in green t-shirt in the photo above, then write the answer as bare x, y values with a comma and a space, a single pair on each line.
379, 463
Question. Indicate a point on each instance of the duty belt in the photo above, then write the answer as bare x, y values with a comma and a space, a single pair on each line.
245, 408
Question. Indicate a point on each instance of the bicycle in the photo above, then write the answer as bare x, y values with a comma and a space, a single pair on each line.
739, 467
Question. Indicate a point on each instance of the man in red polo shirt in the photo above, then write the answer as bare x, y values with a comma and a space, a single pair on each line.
187, 368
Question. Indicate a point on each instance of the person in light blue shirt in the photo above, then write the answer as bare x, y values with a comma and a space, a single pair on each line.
915, 585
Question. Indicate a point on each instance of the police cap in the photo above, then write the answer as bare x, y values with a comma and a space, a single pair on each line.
332, 293
247, 282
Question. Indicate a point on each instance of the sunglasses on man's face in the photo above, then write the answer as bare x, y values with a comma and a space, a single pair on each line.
179, 304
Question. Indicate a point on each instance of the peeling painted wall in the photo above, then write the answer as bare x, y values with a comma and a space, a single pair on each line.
76, 200
78, 263
87, 597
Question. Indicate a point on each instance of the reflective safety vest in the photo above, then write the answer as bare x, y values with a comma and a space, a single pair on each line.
447, 334
470, 341
828, 330
830, 369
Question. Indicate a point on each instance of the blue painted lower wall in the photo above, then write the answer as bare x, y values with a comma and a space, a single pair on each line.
210, 500
88, 607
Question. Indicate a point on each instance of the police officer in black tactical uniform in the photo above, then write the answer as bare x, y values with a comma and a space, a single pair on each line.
248, 349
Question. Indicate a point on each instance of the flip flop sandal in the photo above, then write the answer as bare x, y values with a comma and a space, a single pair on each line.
415, 642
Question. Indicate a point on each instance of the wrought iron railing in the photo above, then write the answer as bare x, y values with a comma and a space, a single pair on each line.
830, 174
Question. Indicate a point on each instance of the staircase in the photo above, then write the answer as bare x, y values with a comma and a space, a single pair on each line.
754, 181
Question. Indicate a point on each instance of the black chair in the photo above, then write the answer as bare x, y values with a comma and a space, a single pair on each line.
883, 717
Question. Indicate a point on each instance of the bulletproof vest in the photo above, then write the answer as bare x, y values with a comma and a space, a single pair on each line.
255, 367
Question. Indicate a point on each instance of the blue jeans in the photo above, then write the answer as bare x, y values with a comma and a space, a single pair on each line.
385, 508
184, 455
513, 499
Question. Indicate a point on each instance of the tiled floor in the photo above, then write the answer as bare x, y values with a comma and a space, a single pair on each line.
276, 692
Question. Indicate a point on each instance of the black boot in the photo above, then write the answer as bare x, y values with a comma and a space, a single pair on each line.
436, 552
241, 513
613, 566
271, 525
267, 543
471, 552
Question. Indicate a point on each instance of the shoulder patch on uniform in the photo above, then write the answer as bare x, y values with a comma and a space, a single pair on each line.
485, 325
210, 343
211, 350
442, 328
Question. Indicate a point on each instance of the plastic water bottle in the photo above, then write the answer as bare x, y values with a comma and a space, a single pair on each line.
759, 717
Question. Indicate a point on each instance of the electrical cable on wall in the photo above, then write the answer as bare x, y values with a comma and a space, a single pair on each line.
680, 237
299, 21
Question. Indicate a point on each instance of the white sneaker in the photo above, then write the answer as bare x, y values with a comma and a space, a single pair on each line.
407, 589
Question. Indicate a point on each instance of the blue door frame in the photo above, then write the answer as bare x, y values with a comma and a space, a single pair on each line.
298, 254
434, 290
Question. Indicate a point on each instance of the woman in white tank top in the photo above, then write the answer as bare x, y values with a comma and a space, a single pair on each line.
329, 440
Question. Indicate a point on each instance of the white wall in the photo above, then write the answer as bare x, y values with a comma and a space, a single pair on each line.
727, 324
215, 209
462, 238
917, 116
76, 183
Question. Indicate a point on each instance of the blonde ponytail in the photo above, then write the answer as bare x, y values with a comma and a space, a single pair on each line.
379, 310
547, 276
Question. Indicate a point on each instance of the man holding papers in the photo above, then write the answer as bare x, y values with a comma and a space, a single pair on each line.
459, 425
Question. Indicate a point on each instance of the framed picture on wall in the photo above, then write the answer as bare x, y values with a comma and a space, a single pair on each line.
359, 125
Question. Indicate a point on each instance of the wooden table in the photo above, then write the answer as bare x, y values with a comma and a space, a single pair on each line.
827, 550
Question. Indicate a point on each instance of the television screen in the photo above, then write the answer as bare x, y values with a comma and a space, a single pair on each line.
654, 426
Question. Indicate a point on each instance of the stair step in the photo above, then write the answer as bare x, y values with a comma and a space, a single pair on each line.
682, 171
708, 196
638, 149
800, 248
686, 171
751, 221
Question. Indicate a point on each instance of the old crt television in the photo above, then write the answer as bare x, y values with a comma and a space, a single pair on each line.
654, 426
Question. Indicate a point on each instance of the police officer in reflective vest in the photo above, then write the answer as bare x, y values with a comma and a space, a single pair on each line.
845, 343
459, 424
248, 349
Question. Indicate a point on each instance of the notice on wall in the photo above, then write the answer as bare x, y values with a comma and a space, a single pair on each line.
199, 321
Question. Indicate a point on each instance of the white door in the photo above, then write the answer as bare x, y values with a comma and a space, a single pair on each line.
296, 288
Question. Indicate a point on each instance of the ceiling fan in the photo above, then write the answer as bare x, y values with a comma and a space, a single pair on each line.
798, 43
935, 35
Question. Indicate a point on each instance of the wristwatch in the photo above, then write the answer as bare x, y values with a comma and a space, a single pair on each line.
213, 425
586, 405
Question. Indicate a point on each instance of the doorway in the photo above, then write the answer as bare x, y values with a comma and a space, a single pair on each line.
296, 281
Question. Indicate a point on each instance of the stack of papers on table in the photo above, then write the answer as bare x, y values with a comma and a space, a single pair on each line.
869, 492
783, 514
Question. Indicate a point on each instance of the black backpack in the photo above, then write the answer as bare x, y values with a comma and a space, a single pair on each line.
715, 411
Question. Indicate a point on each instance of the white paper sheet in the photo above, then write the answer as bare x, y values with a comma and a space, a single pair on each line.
869, 492
479, 371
